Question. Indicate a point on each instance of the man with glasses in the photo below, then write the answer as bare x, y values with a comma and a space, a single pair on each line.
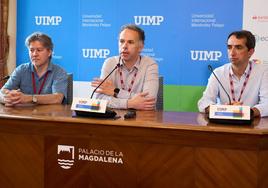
39, 81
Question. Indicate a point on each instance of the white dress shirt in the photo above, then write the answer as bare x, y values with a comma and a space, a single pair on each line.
254, 95
146, 80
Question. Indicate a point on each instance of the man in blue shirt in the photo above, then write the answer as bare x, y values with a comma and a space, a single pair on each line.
245, 80
37, 82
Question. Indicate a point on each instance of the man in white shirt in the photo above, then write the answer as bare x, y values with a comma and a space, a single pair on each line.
134, 84
245, 80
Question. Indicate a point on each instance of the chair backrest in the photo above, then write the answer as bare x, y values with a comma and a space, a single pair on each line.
160, 101
70, 88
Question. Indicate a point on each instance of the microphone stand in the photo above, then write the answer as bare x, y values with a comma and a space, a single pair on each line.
117, 65
108, 113
211, 70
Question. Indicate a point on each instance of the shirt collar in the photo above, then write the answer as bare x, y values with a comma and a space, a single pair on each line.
245, 73
136, 65
49, 68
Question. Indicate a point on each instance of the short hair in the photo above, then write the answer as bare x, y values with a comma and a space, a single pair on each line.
134, 28
41, 37
250, 38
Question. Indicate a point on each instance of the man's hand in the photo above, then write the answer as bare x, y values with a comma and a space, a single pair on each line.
106, 88
256, 112
13, 97
142, 102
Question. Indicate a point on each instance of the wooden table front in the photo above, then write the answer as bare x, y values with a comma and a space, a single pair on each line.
45, 146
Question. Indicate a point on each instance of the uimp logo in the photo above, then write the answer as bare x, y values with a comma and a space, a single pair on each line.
93, 53
82, 102
48, 20
204, 55
148, 20
65, 156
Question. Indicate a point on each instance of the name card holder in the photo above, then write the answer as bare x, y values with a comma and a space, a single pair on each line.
96, 108
230, 114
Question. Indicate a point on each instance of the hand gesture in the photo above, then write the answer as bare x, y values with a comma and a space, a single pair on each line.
106, 88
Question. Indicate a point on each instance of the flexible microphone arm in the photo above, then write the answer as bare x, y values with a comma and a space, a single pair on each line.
211, 70
117, 65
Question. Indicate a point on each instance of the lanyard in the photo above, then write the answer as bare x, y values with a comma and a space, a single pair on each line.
42, 85
244, 84
132, 81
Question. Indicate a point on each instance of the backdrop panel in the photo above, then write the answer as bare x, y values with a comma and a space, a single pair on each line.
184, 37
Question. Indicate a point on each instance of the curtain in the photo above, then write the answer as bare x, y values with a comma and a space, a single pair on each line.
4, 41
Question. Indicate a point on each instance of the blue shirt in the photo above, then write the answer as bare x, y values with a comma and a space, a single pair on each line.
254, 95
21, 78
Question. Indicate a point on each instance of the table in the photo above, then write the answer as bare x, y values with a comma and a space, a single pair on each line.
45, 146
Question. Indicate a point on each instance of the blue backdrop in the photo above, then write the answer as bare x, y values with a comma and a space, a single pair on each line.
183, 36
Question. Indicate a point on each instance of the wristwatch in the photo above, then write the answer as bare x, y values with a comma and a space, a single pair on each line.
116, 91
34, 99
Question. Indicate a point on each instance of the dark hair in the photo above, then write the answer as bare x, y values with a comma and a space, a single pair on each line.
250, 38
134, 28
41, 37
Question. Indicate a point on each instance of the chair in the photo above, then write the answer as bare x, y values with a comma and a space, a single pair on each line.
69, 88
160, 101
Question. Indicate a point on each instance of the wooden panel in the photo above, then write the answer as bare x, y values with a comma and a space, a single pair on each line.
160, 149
144, 165
263, 169
21, 161
226, 168
4, 38
166, 166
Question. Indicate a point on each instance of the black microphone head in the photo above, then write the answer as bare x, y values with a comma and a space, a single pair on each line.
210, 68
118, 64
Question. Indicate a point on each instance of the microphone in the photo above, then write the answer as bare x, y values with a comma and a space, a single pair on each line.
211, 70
117, 65
5, 78
108, 113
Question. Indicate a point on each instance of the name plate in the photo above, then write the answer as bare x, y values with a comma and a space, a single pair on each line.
232, 112
89, 105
